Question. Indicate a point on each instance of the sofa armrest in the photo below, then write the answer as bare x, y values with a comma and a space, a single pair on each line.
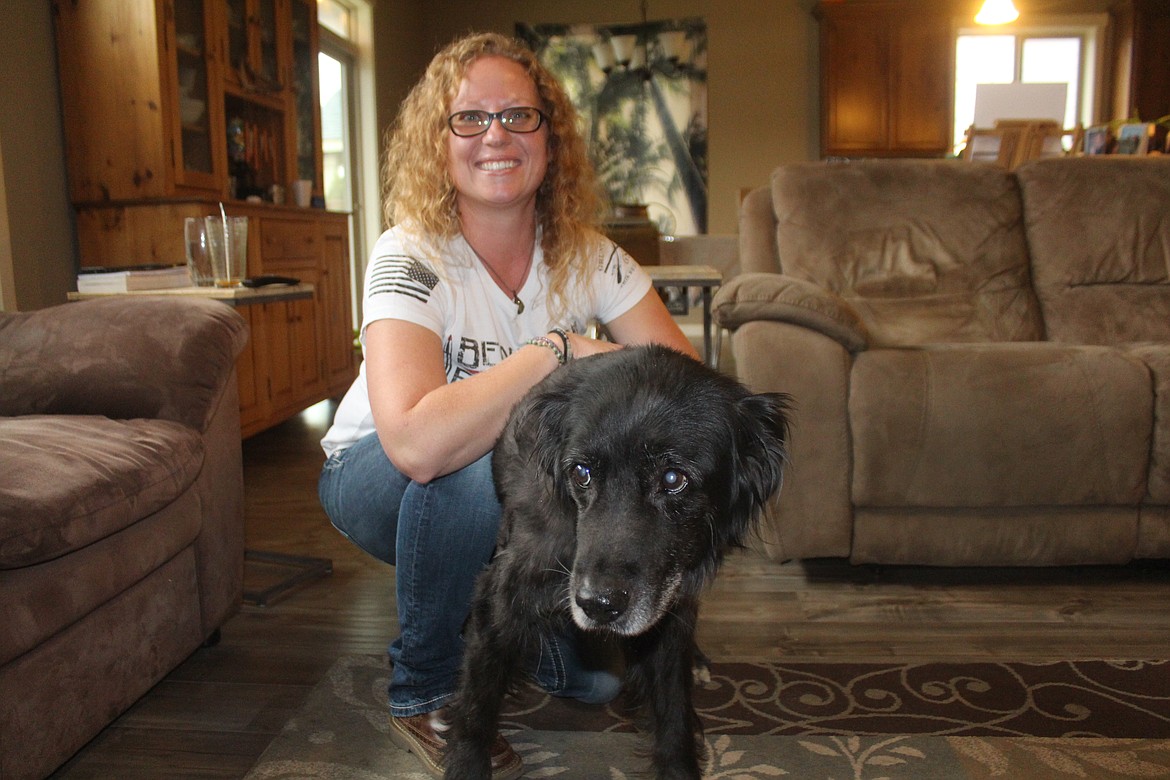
764, 296
812, 516
122, 357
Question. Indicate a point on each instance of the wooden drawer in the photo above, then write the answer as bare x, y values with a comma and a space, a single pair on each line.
282, 239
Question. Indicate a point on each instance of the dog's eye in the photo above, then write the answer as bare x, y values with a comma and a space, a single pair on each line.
674, 481
581, 475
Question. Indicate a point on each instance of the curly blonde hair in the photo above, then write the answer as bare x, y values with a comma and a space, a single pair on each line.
417, 186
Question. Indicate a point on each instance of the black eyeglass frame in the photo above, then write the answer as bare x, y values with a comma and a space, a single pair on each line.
493, 116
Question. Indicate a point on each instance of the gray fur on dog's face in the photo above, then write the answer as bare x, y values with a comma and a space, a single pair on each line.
654, 465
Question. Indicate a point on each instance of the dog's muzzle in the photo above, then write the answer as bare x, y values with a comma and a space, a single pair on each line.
625, 607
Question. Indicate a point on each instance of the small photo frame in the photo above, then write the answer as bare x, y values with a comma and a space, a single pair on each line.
1098, 140
1135, 137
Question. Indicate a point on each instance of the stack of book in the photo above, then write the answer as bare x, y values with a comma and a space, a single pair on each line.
131, 278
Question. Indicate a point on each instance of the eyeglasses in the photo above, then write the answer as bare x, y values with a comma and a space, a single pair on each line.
517, 119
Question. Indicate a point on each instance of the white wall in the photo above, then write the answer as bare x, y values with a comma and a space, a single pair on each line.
36, 211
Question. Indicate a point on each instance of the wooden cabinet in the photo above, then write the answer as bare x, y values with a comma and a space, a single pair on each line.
174, 107
301, 350
887, 79
316, 253
131, 130
279, 371
180, 99
334, 290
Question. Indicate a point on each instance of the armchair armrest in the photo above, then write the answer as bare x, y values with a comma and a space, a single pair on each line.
766, 296
121, 357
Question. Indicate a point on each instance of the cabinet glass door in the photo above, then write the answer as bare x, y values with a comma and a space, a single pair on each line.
266, 62
304, 75
195, 148
237, 36
253, 35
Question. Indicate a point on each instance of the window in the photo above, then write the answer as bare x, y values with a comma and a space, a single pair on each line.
348, 133
336, 17
1065, 52
336, 138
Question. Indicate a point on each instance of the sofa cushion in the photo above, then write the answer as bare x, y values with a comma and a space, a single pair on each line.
44, 599
1099, 235
926, 251
1156, 357
1000, 425
66, 481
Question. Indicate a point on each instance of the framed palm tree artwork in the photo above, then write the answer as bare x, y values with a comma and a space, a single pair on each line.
641, 91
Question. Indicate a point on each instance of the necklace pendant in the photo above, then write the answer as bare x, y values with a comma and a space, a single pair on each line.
519, 304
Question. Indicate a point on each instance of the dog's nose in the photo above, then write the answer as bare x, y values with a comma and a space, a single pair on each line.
602, 606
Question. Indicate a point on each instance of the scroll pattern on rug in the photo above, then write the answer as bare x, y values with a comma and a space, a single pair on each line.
768, 720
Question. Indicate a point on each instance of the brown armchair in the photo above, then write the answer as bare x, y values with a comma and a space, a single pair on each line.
121, 509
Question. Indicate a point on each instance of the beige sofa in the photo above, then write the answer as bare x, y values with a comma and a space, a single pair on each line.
121, 510
980, 359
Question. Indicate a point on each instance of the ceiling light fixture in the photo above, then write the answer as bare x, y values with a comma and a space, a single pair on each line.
640, 50
997, 12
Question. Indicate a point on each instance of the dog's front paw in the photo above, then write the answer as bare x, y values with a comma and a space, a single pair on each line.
467, 760
464, 761
460, 765
679, 772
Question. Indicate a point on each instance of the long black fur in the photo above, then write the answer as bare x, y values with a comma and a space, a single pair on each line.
593, 534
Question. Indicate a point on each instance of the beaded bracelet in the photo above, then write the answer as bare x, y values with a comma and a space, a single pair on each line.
545, 341
564, 337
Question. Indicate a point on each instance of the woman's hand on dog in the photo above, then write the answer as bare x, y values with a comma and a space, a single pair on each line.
583, 346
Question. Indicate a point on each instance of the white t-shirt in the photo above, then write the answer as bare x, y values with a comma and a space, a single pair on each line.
477, 322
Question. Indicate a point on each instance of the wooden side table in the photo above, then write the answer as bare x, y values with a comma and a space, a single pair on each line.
707, 279
236, 296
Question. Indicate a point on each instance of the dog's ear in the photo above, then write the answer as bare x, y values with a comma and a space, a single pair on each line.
759, 452
538, 429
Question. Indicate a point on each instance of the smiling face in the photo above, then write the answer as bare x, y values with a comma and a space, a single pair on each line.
496, 169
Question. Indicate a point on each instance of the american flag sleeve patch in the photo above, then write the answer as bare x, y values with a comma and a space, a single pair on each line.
402, 275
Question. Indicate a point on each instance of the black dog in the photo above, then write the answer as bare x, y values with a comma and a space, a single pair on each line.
624, 478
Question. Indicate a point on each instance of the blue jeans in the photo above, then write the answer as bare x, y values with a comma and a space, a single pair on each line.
438, 536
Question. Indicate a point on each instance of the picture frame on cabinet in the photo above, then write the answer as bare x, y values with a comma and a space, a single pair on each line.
1098, 140
1136, 138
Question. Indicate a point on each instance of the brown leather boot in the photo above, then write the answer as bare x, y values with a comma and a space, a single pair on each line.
423, 736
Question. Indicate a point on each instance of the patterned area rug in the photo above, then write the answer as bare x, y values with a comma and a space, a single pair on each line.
1088, 719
